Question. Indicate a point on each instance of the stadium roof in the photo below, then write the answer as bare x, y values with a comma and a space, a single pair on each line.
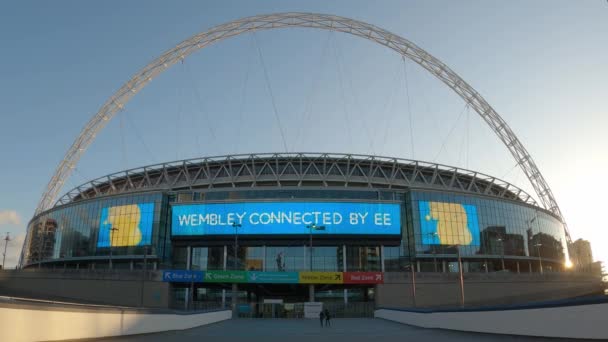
296, 170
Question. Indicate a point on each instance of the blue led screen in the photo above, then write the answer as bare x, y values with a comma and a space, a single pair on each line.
291, 218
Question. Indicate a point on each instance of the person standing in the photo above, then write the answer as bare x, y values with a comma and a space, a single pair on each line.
280, 262
327, 318
321, 317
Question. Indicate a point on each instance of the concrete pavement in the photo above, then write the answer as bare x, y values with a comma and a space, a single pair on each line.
342, 330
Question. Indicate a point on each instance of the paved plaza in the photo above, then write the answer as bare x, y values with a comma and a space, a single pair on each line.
342, 330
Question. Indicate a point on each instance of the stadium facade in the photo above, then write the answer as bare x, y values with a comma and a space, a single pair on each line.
338, 221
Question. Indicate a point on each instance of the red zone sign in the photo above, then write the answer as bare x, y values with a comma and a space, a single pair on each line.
363, 278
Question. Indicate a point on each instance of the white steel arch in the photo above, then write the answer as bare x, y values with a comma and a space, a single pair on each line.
309, 20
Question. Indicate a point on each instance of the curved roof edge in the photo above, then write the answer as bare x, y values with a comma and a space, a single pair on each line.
295, 169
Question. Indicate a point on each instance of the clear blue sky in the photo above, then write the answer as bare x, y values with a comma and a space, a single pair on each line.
541, 65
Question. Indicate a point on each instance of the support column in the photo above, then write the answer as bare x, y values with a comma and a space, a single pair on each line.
235, 289
382, 257
311, 293
225, 256
187, 298
189, 290
343, 258
517, 262
224, 290
264, 258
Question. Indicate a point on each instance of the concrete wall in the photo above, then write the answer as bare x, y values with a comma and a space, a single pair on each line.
443, 290
52, 324
432, 290
581, 321
111, 288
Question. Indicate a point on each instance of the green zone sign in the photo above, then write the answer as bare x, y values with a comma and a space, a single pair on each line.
225, 277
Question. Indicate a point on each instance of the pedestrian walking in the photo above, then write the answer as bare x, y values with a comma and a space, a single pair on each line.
321, 317
327, 318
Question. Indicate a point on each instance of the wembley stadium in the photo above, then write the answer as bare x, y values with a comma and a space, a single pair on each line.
287, 228
289, 216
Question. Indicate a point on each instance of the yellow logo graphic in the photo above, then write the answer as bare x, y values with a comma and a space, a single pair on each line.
452, 223
124, 221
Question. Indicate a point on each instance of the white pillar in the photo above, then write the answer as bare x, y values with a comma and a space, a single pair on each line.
188, 257
225, 256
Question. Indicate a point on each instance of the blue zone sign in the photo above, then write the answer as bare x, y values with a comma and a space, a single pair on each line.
181, 276
287, 218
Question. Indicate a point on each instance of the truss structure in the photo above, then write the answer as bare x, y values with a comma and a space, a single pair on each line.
296, 170
361, 29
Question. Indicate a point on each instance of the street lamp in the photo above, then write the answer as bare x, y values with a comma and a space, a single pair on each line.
143, 278
310, 229
502, 249
434, 234
236, 242
460, 271
461, 276
112, 230
538, 244
540, 261
6, 240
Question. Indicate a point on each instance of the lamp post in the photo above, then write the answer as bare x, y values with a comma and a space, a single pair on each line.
236, 242
433, 235
413, 274
538, 244
143, 277
310, 229
112, 233
540, 261
41, 241
461, 276
6, 240
502, 250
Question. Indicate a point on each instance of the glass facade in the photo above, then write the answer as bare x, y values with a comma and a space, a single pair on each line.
76, 231
504, 228
490, 234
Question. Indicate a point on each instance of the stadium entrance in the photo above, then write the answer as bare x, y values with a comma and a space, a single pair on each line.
250, 300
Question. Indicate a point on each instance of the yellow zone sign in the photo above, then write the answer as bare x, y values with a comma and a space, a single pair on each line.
321, 278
